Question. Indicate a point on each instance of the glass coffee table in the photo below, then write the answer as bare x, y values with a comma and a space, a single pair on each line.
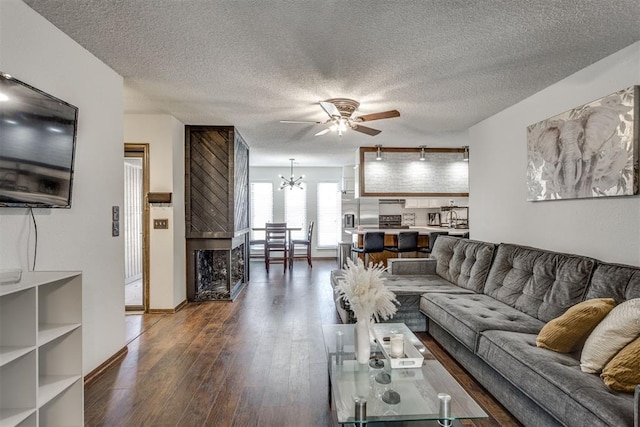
371, 393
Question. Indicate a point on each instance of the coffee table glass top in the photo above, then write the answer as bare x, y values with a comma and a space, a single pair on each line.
416, 388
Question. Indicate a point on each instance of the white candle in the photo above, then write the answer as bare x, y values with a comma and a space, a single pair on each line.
397, 345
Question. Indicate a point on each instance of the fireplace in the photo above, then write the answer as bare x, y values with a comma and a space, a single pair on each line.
217, 269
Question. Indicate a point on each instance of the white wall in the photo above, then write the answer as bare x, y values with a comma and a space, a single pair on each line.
165, 136
604, 228
312, 177
34, 51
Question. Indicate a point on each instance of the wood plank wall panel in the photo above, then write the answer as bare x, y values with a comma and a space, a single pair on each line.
217, 180
208, 180
241, 184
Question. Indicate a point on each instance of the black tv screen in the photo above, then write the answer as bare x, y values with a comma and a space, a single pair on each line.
37, 146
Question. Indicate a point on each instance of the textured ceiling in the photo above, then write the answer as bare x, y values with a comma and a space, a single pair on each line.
445, 65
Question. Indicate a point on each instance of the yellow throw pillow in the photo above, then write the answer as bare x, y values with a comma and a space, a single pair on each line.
566, 333
622, 373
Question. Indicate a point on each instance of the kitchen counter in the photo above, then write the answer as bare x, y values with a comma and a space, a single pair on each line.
421, 230
391, 239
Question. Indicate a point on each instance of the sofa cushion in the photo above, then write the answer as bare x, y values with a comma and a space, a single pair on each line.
567, 333
540, 283
419, 284
555, 381
411, 266
622, 373
463, 262
466, 316
408, 289
621, 282
619, 328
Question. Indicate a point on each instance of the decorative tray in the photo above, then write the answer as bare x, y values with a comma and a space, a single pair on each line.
412, 357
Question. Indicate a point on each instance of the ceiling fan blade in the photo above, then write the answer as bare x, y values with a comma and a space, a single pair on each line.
322, 132
299, 121
330, 109
377, 116
367, 130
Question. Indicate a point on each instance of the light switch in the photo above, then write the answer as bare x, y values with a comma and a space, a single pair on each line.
161, 223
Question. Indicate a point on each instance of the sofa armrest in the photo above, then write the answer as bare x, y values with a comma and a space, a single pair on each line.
405, 266
636, 407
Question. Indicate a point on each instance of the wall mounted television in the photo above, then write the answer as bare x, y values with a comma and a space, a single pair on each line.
37, 146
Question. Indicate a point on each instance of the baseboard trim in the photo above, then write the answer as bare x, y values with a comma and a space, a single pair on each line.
102, 368
179, 307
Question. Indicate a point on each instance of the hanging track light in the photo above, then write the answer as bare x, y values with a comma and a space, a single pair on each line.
422, 153
379, 152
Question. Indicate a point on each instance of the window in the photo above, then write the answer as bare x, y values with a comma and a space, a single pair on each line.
329, 213
261, 207
295, 210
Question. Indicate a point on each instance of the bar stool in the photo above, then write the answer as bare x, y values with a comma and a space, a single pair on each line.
433, 236
407, 242
373, 243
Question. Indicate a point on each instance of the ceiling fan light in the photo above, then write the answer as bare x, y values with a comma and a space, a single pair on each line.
465, 154
422, 153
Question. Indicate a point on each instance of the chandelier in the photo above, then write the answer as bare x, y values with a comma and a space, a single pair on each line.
291, 182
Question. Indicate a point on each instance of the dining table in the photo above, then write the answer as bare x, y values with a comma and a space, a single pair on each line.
287, 228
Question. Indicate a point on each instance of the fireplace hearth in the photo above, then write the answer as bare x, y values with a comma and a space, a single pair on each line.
216, 273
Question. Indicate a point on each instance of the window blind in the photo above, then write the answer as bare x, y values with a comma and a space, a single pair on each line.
295, 210
329, 210
261, 207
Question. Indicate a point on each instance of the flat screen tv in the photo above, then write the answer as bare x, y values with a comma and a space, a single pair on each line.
37, 146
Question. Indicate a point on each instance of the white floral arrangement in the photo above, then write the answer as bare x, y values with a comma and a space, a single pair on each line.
364, 290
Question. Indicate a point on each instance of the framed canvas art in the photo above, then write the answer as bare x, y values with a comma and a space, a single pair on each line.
589, 151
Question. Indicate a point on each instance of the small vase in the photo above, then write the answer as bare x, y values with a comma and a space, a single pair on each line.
363, 342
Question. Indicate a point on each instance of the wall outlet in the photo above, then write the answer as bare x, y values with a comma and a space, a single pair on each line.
161, 224
115, 228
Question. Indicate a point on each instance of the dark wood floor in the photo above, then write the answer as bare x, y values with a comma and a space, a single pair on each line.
258, 361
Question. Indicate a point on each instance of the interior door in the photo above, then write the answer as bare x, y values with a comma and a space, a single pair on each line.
135, 227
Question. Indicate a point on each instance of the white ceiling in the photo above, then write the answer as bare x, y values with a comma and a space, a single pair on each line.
445, 65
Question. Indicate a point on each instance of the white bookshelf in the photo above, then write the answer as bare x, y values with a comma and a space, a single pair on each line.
41, 350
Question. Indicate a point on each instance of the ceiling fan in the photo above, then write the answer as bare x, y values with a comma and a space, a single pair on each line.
341, 117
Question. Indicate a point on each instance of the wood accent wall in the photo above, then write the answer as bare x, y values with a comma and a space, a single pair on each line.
241, 183
217, 182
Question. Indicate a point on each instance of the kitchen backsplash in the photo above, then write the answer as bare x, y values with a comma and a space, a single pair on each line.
416, 216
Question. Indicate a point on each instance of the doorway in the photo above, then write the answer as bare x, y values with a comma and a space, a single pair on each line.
135, 227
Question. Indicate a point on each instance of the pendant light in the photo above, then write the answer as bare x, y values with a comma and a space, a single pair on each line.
423, 155
378, 152
291, 182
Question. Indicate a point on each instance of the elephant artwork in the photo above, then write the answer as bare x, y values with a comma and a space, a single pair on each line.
590, 151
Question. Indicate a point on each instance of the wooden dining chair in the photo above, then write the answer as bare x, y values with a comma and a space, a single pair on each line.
301, 242
276, 245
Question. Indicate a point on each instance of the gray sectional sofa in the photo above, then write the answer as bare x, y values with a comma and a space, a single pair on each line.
486, 303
